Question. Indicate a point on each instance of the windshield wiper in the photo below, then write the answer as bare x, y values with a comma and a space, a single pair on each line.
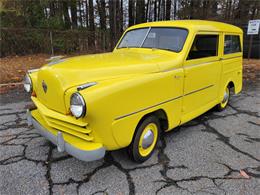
121, 47
126, 47
167, 49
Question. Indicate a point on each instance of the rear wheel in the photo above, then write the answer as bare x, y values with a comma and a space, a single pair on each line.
145, 139
222, 105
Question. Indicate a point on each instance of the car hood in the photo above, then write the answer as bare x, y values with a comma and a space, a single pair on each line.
82, 69
75, 71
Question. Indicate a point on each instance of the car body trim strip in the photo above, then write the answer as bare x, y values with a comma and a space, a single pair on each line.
132, 113
207, 62
227, 58
197, 90
123, 116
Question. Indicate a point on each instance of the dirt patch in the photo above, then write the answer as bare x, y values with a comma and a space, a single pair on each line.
251, 69
14, 68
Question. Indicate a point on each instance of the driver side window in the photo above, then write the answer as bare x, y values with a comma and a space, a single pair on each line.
204, 46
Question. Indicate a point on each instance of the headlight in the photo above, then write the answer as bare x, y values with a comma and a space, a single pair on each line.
77, 105
27, 83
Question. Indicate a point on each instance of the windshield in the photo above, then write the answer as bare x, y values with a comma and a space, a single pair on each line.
157, 37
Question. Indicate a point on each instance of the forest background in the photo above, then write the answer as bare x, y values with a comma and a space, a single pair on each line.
92, 26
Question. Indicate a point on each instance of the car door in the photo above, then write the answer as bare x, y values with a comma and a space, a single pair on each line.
202, 69
231, 62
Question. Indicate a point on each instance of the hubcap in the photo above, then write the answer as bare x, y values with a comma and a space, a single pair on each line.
225, 99
148, 139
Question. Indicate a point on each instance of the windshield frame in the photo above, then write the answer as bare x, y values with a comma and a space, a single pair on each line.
149, 29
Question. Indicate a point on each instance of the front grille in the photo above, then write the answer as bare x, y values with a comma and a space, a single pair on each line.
63, 123
81, 132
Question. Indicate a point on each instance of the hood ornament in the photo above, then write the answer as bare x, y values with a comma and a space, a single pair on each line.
86, 85
44, 86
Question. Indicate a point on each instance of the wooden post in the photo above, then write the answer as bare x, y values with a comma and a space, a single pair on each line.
52, 50
250, 47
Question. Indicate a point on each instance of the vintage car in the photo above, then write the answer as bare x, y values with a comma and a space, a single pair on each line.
159, 76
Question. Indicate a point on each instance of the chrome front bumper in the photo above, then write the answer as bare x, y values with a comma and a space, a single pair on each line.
62, 145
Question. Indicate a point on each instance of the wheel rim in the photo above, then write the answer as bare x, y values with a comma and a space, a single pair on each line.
148, 139
226, 98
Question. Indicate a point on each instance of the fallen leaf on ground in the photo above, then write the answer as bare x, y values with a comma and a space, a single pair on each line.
244, 174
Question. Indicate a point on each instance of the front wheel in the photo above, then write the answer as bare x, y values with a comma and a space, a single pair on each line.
145, 139
222, 105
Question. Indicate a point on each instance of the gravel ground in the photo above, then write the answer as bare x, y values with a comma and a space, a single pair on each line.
205, 156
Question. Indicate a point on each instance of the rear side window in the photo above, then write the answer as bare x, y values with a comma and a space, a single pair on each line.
232, 44
204, 46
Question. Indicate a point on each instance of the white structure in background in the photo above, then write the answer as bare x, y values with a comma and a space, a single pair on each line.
253, 27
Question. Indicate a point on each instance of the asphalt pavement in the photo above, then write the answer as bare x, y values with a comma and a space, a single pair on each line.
208, 155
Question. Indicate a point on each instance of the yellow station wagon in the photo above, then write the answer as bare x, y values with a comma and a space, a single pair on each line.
159, 76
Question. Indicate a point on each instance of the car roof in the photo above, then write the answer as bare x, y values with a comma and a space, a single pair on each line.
197, 25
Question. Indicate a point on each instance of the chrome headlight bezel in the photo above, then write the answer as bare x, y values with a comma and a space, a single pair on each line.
77, 102
27, 83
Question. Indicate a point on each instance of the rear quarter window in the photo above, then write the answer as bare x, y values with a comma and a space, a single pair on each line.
232, 44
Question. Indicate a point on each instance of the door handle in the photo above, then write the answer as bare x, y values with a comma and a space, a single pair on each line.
177, 76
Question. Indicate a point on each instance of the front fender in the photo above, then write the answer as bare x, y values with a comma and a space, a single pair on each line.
109, 103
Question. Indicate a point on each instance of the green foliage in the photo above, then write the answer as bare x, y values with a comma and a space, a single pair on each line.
10, 18
22, 41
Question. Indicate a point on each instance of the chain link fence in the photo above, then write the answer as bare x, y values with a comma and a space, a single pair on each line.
22, 41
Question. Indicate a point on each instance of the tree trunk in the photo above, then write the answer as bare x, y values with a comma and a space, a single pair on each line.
52, 9
101, 4
130, 13
191, 9
87, 13
73, 5
111, 23
243, 11
228, 9
140, 15
168, 9
254, 11
91, 16
163, 10
159, 9
67, 23
91, 23
205, 9
214, 8
147, 10
194, 9
121, 19
175, 9
80, 13
155, 10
